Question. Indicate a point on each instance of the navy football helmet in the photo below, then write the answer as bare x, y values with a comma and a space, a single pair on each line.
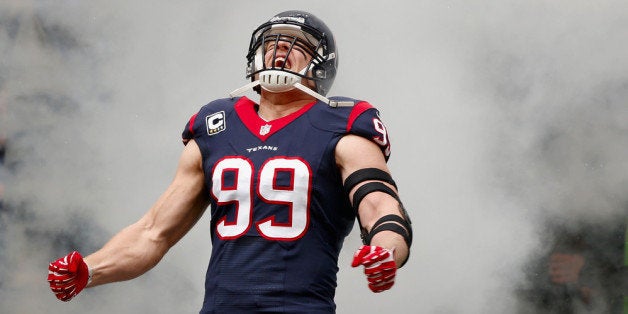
303, 31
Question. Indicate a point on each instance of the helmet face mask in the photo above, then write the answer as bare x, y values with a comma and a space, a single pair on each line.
296, 45
303, 33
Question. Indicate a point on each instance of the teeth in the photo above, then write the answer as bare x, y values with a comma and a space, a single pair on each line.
280, 61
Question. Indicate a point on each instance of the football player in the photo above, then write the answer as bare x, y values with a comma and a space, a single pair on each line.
285, 178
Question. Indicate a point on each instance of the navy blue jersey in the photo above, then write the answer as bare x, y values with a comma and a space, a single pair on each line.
279, 213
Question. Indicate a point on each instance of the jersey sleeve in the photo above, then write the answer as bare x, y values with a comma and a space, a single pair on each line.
365, 121
190, 130
209, 120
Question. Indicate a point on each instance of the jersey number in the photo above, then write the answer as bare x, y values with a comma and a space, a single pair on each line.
381, 140
239, 190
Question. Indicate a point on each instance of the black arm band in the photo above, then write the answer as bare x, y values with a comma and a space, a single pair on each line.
371, 187
364, 190
367, 174
387, 222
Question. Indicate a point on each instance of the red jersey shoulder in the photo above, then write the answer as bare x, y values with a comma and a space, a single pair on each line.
365, 121
362, 119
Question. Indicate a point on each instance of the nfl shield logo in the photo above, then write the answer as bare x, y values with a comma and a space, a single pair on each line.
264, 129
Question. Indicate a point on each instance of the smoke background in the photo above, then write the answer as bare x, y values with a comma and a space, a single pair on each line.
503, 115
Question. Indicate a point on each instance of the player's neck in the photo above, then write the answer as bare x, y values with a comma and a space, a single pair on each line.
277, 105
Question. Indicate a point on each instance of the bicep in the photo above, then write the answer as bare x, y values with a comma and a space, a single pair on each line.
354, 153
184, 201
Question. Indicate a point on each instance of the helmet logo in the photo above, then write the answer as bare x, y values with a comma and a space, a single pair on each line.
288, 18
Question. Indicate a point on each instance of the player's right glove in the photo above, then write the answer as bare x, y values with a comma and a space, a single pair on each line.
379, 266
68, 276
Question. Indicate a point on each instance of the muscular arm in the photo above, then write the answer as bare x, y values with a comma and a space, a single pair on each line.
354, 153
140, 246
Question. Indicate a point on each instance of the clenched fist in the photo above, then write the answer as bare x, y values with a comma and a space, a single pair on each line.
379, 266
68, 276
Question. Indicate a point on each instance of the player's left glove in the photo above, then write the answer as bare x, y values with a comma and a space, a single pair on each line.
68, 276
379, 266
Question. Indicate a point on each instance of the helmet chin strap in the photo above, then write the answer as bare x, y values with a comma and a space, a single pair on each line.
239, 91
276, 81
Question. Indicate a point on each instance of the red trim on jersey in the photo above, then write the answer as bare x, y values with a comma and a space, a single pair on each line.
245, 108
358, 109
187, 137
191, 123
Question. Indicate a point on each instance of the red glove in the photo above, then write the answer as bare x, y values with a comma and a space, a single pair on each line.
68, 276
379, 266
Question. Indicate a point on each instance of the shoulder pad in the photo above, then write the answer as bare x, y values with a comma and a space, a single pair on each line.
197, 124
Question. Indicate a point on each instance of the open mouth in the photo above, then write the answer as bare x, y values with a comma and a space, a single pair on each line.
281, 62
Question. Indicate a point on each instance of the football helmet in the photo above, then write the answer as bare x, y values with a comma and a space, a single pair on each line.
304, 32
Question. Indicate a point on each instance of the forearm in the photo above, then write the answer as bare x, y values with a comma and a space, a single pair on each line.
373, 208
391, 240
129, 254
